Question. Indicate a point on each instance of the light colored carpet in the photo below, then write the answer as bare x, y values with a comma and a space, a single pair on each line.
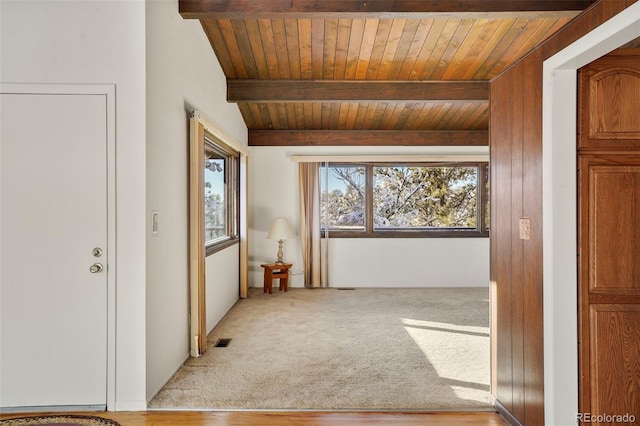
343, 349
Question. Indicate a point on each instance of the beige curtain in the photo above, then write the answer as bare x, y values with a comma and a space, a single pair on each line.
310, 236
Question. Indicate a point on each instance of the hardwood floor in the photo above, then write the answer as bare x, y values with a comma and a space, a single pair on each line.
298, 418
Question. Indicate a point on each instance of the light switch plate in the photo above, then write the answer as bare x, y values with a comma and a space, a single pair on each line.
525, 228
155, 222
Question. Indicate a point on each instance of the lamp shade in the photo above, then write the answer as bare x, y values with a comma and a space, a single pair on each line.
279, 229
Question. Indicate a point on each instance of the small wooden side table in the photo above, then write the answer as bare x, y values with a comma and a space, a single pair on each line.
273, 271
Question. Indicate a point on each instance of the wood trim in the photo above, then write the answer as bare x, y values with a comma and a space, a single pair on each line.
219, 133
243, 9
584, 338
199, 126
245, 90
198, 338
506, 414
244, 226
368, 138
584, 370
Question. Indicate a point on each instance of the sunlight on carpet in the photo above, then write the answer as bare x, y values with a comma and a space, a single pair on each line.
375, 349
470, 347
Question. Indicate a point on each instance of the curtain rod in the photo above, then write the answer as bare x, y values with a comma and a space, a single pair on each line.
420, 158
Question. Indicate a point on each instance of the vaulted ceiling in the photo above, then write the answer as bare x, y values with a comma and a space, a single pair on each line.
371, 72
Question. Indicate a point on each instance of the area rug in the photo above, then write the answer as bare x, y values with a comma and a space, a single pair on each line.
59, 420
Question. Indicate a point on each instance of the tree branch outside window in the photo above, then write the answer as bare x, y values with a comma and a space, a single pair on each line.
421, 200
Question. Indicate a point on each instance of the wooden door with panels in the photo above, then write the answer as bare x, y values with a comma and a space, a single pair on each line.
609, 238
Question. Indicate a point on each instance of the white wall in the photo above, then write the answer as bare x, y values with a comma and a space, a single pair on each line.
373, 262
409, 262
98, 42
222, 284
182, 74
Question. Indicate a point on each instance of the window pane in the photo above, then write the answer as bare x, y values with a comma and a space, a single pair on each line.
343, 200
424, 197
215, 190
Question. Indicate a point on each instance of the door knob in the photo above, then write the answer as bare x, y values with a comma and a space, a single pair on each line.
95, 268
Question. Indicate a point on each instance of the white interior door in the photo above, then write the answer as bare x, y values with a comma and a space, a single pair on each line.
53, 213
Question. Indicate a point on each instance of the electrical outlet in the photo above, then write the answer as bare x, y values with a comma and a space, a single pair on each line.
525, 228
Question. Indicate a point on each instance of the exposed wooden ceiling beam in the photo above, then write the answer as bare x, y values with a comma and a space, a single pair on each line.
368, 137
349, 90
242, 9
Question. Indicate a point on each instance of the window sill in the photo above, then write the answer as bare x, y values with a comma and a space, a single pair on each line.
219, 246
409, 234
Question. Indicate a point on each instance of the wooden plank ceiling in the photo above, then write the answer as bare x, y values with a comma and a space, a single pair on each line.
376, 72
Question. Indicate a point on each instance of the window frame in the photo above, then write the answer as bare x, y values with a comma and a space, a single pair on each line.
366, 197
369, 231
198, 126
232, 193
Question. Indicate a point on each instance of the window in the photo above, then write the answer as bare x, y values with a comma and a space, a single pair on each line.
217, 214
220, 195
403, 200
343, 204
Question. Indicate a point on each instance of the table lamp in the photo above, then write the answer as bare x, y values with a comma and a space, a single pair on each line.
279, 231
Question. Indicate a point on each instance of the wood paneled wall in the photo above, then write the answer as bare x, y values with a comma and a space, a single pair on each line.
516, 193
516, 265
